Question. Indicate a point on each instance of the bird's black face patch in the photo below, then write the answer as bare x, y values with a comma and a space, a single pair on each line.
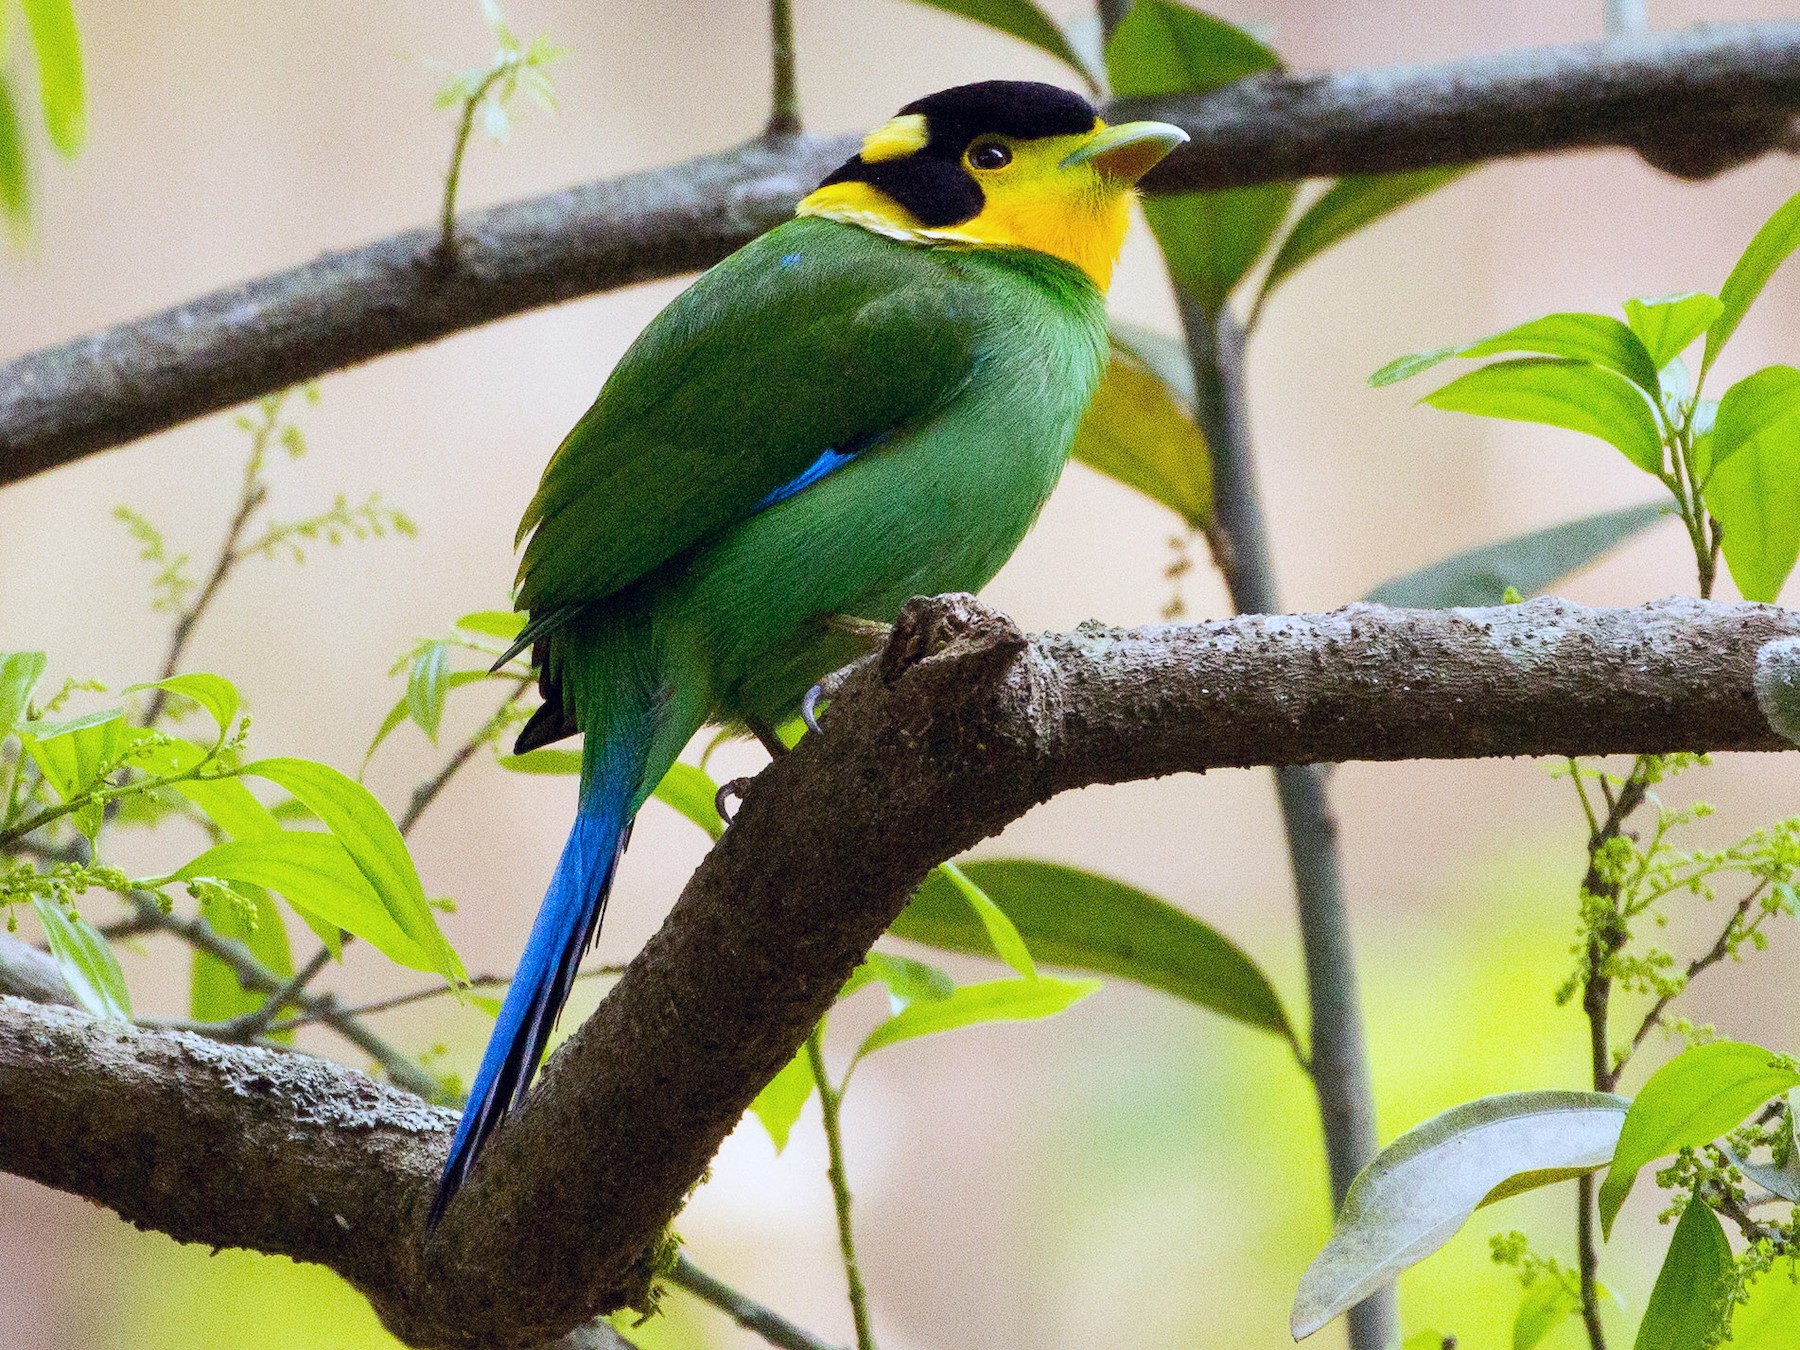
932, 182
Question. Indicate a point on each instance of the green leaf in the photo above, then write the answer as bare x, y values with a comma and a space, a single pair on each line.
1163, 356
88, 966
495, 623
60, 84
1687, 1305
15, 184
1007, 943
1020, 19
19, 674
1422, 1187
73, 755
1754, 488
1760, 410
1691, 1100
1547, 1304
907, 981
1593, 339
779, 1104
1015, 1000
1076, 919
214, 693
1527, 564
402, 709
1770, 1311
1778, 237
1346, 207
427, 681
692, 792
1209, 239
1162, 48
1668, 324
316, 874
214, 994
1135, 432
1560, 393
359, 822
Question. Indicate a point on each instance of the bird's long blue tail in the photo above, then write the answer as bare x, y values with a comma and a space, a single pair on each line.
566, 924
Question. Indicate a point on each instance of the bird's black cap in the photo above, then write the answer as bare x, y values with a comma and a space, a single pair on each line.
931, 182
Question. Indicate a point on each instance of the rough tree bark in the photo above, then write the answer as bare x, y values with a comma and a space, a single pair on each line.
960, 726
1692, 103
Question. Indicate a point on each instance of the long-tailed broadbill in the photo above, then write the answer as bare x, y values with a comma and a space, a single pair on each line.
871, 401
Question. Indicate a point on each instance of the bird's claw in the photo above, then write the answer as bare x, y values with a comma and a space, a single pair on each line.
809, 709
731, 790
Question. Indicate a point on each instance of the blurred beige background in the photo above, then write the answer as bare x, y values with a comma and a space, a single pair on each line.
1134, 1174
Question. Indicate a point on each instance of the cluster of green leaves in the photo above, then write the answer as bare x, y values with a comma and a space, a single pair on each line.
484, 92
1731, 465
345, 870
62, 92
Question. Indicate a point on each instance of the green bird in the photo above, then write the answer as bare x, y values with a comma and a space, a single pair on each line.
869, 402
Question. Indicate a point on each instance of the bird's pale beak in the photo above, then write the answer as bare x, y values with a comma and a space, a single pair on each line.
1125, 153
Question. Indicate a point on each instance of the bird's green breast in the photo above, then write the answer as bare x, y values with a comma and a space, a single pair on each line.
938, 505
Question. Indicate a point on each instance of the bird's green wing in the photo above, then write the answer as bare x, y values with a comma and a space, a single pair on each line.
817, 336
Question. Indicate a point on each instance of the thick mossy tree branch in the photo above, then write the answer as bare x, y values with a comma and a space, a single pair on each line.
1693, 103
959, 727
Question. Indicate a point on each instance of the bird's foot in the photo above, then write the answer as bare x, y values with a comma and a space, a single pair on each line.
809, 709
730, 791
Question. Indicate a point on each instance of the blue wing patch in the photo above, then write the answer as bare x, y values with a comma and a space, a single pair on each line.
834, 458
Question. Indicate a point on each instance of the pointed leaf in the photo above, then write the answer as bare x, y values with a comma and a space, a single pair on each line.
1527, 564
214, 693
1759, 410
1669, 324
1020, 19
1016, 1000
60, 83
495, 623
19, 674
368, 835
88, 966
1778, 237
1346, 207
1597, 339
1162, 48
907, 981
1007, 943
1692, 1100
1687, 1305
1422, 1187
427, 681
402, 709
1135, 432
544, 760
74, 754
1547, 1304
779, 1104
1072, 918
1211, 240
1571, 394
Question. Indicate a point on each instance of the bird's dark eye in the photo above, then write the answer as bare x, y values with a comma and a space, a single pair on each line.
989, 155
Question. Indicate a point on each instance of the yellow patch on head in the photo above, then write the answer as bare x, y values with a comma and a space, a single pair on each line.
897, 137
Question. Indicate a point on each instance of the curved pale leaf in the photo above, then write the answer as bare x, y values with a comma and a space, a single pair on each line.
1560, 393
692, 792
1527, 564
1072, 918
1422, 1187
505, 624
1163, 356
1003, 936
1667, 325
1595, 339
87, 964
427, 681
215, 694
72, 755
1759, 410
1348, 205
1687, 1305
1015, 1000
402, 709
1778, 237
361, 824
1755, 497
1135, 432
779, 1104
1692, 1100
